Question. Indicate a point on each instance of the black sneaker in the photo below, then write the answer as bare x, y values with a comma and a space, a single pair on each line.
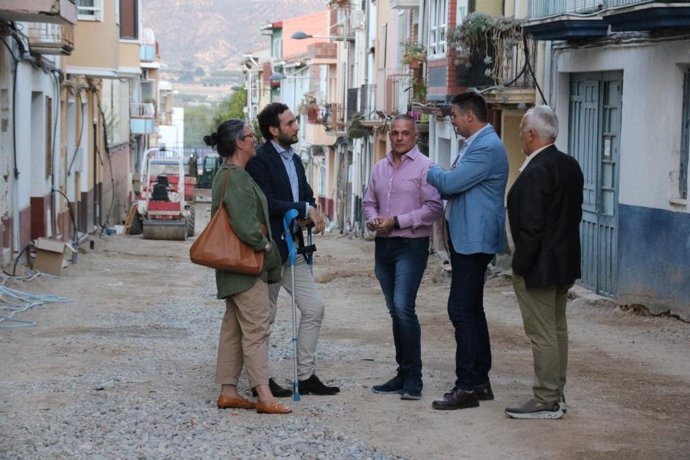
276, 390
393, 386
411, 394
412, 389
314, 386
533, 409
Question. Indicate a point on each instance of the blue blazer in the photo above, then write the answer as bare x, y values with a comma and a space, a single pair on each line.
475, 191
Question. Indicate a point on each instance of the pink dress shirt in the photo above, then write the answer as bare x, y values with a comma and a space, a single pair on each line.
404, 192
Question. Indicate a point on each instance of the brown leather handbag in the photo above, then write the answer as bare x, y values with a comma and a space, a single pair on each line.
219, 247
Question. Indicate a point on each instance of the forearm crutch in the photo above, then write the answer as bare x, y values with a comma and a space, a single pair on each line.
288, 220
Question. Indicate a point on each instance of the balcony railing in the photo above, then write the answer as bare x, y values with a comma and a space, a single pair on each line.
142, 110
509, 63
404, 4
147, 53
397, 89
47, 38
52, 11
547, 8
333, 117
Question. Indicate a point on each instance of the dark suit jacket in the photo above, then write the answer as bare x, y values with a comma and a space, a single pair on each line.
267, 170
544, 211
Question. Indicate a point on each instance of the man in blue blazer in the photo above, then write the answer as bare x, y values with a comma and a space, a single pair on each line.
280, 174
544, 211
475, 219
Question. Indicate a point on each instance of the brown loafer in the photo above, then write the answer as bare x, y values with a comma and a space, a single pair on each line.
275, 408
228, 402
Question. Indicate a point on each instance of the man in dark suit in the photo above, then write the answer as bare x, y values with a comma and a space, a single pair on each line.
280, 174
544, 211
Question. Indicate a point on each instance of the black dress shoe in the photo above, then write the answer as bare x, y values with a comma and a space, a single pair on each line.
314, 386
456, 399
276, 390
483, 392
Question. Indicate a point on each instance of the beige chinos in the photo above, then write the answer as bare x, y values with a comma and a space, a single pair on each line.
543, 315
244, 337
311, 308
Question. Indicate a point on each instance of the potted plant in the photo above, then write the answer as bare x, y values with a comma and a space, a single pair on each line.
310, 108
414, 53
356, 129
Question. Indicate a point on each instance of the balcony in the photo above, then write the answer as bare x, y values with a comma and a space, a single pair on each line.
334, 118
397, 89
147, 53
50, 11
577, 19
142, 110
142, 117
565, 19
404, 4
512, 83
45, 38
629, 15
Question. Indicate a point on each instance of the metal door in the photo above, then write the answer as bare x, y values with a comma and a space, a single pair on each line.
594, 140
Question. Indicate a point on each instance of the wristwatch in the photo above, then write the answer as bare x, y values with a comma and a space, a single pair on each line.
396, 224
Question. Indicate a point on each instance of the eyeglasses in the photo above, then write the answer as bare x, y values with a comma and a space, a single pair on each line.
252, 135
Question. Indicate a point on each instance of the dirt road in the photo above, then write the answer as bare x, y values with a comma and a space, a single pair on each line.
140, 336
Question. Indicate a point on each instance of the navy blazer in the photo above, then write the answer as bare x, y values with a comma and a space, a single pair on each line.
268, 170
544, 211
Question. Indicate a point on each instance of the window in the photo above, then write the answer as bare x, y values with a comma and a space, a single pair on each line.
129, 19
438, 17
685, 140
277, 51
90, 10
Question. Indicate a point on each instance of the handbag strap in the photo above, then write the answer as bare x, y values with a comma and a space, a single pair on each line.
222, 192
262, 227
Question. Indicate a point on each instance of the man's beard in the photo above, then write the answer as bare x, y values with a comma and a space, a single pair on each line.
284, 139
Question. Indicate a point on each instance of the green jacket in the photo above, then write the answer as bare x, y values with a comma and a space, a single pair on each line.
246, 205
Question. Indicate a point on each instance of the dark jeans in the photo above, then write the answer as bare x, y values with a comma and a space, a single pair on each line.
466, 312
400, 264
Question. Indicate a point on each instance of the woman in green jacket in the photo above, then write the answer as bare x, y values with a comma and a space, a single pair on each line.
245, 328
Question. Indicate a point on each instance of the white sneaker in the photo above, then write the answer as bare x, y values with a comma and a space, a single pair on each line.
533, 409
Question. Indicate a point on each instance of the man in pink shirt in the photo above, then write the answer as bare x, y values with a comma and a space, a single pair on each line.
402, 208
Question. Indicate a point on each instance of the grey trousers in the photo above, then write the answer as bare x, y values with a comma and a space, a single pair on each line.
311, 309
244, 337
543, 315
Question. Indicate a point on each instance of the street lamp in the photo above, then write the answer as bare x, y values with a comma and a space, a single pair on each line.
299, 35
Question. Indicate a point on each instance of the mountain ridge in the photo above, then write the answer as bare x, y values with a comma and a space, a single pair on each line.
212, 33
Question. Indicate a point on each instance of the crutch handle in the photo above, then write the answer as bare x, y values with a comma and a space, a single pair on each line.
307, 250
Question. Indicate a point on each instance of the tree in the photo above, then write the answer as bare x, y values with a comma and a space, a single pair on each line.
198, 122
232, 107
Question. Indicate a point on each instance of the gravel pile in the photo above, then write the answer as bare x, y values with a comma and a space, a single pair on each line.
146, 390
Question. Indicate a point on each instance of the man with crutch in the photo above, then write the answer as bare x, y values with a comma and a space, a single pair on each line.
280, 174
